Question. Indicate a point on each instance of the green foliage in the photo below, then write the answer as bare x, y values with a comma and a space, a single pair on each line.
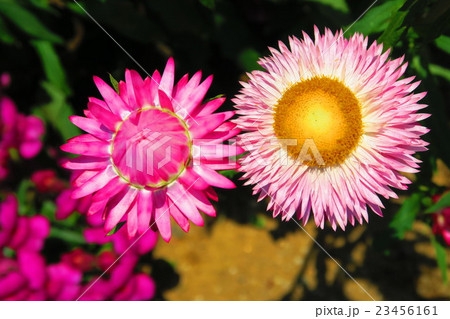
52, 65
24, 196
377, 19
27, 21
5, 34
443, 202
229, 173
67, 235
116, 228
210, 4
57, 111
339, 5
114, 83
440, 71
249, 60
443, 43
404, 218
441, 257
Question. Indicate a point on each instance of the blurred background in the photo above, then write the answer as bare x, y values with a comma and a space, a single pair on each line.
50, 49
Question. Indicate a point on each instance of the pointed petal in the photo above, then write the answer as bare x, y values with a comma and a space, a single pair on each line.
168, 76
118, 211
213, 178
114, 101
162, 215
95, 183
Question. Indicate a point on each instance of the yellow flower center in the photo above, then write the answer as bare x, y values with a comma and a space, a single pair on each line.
319, 120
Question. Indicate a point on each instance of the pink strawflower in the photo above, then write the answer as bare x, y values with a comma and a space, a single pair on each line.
17, 131
66, 205
23, 278
120, 240
121, 283
79, 259
330, 125
27, 277
46, 181
63, 283
21, 232
152, 152
441, 222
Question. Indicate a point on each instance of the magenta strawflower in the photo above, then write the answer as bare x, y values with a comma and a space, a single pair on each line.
330, 125
23, 278
441, 222
17, 131
21, 232
66, 205
152, 151
46, 181
121, 283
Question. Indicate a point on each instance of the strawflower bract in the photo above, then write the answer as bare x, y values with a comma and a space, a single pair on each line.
330, 125
152, 152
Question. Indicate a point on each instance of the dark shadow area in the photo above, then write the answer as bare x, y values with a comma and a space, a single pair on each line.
165, 277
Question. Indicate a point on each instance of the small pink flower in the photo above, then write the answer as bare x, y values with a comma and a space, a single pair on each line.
64, 282
122, 283
79, 259
21, 232
121, 241
46, 181
24, 278
105, 259
152, 152
441, 222
29, 132
66, 205
17, 131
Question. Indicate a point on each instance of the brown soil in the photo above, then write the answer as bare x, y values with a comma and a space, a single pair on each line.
278, 261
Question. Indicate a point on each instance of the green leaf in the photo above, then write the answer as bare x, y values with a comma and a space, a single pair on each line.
427, 201
259, 221
404, 218
48, 210
57, 112
76, 8
439, 71
23, 196
8, 252
441, 257
70, 221
52, 65
210, 4
43, 5
116, 228
26, 21
394, 30
443, 202
338, 5
218, 96
229, 173
400, 21
248, 60
66, 235
376, 19
443, 43
114, 83
5, 35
